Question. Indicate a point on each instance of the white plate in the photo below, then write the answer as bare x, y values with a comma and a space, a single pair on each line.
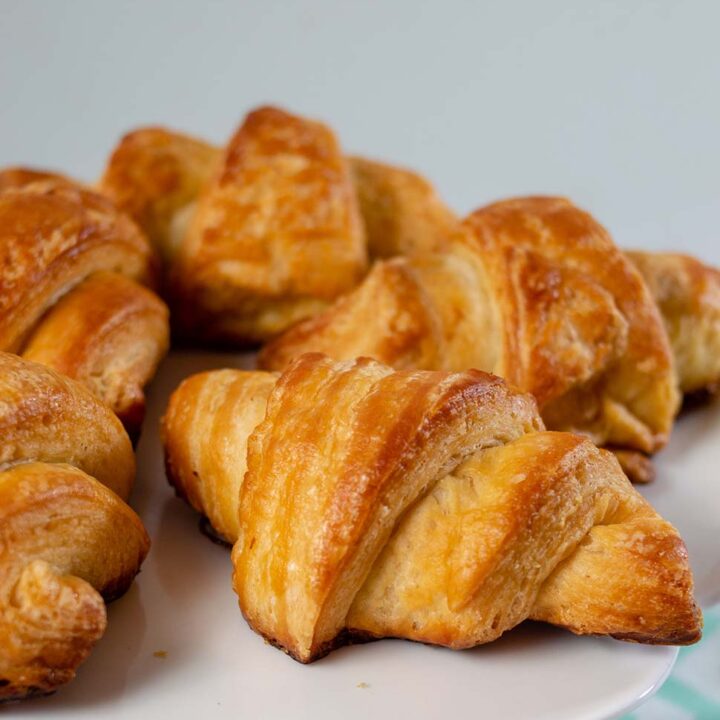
216, 667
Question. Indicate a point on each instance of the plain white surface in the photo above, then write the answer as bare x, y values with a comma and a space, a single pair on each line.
612, 103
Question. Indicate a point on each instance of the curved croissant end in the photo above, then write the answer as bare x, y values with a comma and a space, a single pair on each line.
401, 210
55, 235
47, 417
155, 176
69, 292
688, 295
388, 317
423, 505
66, 544
545, 527
110, 334
207, 464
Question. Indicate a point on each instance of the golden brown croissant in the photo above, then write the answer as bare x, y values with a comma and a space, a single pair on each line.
71, 294
269, 231
425, 505
66, 541
688, 294
533, 290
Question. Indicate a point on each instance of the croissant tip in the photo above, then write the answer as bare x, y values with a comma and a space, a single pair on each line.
674, 636
344, 638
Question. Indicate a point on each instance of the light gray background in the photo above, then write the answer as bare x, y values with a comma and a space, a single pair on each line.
614, 104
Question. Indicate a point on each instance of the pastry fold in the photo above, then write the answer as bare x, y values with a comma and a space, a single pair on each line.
72, 270
426, 505
68, 543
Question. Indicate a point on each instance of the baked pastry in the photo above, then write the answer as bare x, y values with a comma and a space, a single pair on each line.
72, 270
272, 229
68, 542
425, 505
533, 290
156, 175
688, 295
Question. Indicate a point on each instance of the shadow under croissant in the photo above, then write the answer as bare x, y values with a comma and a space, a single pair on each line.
525, 634
700, 399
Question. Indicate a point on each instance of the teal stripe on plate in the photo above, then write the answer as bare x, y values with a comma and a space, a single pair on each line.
678, 693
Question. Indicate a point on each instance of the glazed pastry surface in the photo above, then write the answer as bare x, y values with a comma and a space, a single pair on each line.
426, 505
275, 235
68, 543
72, 270
155, 176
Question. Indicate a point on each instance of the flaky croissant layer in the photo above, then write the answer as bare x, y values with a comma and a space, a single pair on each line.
426, 505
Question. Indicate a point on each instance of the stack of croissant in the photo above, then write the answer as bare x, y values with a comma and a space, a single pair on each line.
437, 443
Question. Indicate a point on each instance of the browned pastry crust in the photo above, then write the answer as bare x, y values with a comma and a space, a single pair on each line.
425, 505
403, 214
275, 235
47, 417
533, 290
155, 176
110, 334
71, 295
66, 541
12, 178
637, 466
688, 295
205, 440
271, 230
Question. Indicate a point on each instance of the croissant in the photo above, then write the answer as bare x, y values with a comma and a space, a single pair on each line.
272, 229
534, 290
426, 505
72, 270
688, 295
68, 542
